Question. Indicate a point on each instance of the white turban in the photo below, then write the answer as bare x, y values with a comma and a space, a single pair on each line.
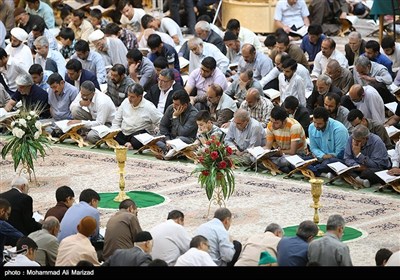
96, 35
19, 33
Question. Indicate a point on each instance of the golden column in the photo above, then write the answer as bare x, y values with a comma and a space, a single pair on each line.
120, 152
316, 191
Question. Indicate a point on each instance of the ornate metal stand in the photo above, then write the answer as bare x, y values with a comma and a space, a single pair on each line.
217, 199
316, 191
120, 152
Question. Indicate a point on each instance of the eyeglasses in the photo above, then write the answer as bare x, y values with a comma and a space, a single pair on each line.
163, 81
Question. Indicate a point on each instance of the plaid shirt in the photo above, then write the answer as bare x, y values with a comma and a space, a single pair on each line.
68, 51
128, 38
261, 111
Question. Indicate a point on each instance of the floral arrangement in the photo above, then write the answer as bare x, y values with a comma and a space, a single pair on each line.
27, 140
216, 168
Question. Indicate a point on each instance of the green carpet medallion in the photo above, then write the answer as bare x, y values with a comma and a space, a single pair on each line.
349, 232
142, 199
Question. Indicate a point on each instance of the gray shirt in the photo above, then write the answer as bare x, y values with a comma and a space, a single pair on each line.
252, 136
59, 104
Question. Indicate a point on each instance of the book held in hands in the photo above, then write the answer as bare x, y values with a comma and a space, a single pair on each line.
259, 152
104, 130
272, 93
341, 168
5, 115
146, 138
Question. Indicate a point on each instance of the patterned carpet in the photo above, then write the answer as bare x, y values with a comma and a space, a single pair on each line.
259, 199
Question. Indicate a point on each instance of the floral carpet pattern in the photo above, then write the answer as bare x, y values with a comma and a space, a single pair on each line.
258, 200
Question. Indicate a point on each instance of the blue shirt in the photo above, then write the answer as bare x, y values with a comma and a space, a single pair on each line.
332, 140
36, 96
169, 53
373, 154
310, 48
60, 103
7, 230
292, 251
74, 215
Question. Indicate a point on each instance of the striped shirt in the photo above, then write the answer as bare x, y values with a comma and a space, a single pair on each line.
283, 137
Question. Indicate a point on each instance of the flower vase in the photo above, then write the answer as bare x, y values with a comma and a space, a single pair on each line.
217, 196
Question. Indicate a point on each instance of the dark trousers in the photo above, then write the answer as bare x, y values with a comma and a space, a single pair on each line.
238, 250
322, 167
370, 175
189, 13
122, 139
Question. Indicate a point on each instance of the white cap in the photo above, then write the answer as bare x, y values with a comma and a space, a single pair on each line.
96, 35
19, 33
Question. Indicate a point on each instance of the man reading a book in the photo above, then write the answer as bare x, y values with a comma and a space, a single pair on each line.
206, 128
328, 138
287, 135
369, 151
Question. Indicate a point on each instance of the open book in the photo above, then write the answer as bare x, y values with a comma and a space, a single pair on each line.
63, 125
146, 138
37, 216
179, 145
386, 177
76, 5
103, 10
392, 130
299, 32
259, 152
272, 93
297, 161
5, 115
183, 62
341, 168
392, 106
104, 130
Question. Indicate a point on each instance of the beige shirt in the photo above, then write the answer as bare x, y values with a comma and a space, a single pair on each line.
75, 248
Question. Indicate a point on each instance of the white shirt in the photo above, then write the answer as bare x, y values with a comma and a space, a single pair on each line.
58, 59
208, 50
321, 61
101, 108
134, 22
394, 57
163, 98
293, 87
131, 119
291, 15
165, 38
21, 260
195, 257
21, 55
248, 36
170, 240
170, 27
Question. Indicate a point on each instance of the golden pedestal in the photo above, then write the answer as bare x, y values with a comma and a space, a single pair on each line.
120, 152
74, 136
316, 191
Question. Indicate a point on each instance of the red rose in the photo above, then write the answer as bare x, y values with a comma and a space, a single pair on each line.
207, 151
229, 163
201, 159
218, 144
229, 150
214, 155
205, 172
222, 165
213, 137
208, 142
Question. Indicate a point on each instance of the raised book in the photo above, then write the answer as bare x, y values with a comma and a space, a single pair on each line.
392, 106
341, 168
146, 138
63, 125
297, 161
301, 32
392, 130
5, 115
386, 177
259, 152
178, 145
104, 130
76, 5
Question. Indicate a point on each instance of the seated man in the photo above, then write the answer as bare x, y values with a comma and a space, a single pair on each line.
290, 83
342, 78
221, 106
161, 94
158, 48
372, 51
243, 133
355, 47
51, 60
141, 69
118, 83
356, 117
297, 111
65, 197
245, 35
311, 43
92, 107
337, 111
76, 75
179, 120
291, 15
321, 88
328, 13
164, 25
136, 115
283, 45
328, 139
367, 150
258, 106
39, 77
287, 135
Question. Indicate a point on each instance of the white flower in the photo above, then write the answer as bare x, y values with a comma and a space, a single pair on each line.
12, 123
32, 113
17, 132
22, 122
28, 118
38, 125
37, 135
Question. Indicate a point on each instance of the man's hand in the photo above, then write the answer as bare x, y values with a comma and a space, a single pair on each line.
225, 125
133, 70
356, 147
327, 156
178, 111
71, 122
343, 15
84, 103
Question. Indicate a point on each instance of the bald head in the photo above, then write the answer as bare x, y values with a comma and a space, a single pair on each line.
356, 92
248, 53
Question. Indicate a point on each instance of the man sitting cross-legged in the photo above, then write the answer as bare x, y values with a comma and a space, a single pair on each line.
136, 115
287, 135
369, 151
327, 140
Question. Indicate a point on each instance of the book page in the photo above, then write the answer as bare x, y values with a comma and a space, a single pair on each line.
177, 144
272, 93
392, 106
257, 151
75, 5
386, 177
63, 125
295, 160
37, 216
340, 168
392, 130
144, 138
5, 115
301, 32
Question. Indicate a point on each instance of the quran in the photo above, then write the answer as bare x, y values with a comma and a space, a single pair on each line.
146, 138
297, 161
104, 130
63, 125
341, 168
259, 152
386, 177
